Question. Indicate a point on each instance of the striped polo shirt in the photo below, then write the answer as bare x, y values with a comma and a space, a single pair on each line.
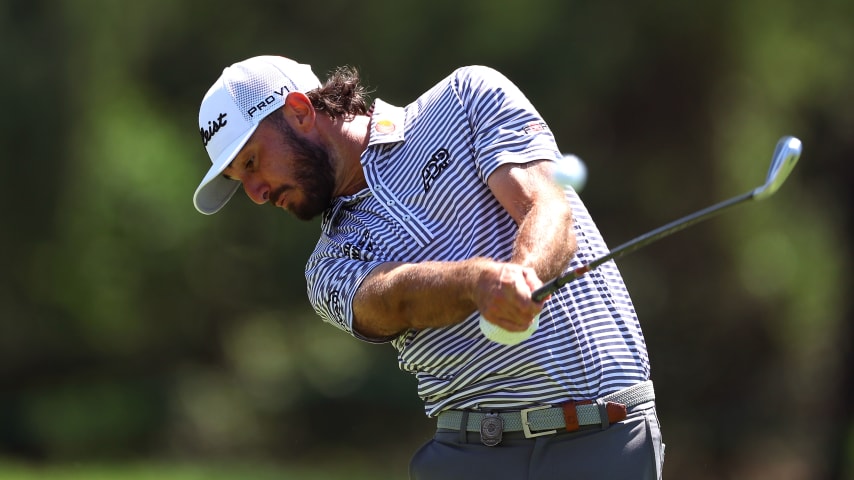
427, 167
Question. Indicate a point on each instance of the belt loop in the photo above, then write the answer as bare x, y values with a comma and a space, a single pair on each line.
570, 416
603, 413
464, 427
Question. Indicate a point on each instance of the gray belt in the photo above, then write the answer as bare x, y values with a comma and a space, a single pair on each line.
547, 419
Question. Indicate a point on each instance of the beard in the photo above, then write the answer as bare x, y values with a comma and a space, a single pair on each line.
312, 171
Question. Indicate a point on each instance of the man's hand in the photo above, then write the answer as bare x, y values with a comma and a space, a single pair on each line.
503, 296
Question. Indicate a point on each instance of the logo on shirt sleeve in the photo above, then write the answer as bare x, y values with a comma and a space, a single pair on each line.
336, 307
533, 127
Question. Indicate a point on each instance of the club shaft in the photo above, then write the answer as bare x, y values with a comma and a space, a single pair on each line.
549, 288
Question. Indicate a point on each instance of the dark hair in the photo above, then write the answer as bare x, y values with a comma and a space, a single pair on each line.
342, 95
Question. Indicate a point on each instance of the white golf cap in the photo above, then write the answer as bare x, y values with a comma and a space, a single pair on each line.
244, 94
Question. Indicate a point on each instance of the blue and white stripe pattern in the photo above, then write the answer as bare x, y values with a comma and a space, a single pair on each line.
426, 167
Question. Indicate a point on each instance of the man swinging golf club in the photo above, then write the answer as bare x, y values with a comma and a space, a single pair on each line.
435, 215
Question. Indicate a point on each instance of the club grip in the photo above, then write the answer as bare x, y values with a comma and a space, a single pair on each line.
541, 293
551, 287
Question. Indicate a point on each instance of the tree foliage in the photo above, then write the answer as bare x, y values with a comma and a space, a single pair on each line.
133, 326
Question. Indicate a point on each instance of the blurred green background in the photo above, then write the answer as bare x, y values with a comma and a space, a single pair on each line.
140, 339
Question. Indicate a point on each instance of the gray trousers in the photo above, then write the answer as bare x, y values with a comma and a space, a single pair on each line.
630, 449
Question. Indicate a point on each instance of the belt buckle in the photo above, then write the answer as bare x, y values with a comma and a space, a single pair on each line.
491, 429
526, 426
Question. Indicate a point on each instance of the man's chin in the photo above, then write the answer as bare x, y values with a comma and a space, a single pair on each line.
303, 213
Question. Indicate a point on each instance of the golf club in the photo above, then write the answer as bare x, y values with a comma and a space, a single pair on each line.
785, 156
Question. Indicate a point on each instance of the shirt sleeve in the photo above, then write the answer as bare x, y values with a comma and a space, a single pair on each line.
333, 274
506, 128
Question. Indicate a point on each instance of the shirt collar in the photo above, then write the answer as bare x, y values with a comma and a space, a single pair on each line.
387, 123
337, 204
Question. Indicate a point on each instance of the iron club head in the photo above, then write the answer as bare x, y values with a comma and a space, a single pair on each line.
786, 155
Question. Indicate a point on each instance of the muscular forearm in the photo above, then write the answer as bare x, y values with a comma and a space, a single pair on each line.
545, 241
398, 296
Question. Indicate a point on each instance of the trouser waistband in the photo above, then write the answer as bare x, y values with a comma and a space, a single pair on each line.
548, 419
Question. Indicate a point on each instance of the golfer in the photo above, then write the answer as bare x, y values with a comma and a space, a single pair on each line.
433, 215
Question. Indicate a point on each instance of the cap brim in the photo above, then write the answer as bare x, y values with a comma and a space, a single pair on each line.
216, 190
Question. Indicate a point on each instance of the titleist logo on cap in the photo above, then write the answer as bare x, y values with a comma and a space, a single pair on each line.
213, 127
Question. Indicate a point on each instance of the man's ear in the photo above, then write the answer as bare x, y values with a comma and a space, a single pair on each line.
299, 111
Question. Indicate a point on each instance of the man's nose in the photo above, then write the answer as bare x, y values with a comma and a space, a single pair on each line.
258, 192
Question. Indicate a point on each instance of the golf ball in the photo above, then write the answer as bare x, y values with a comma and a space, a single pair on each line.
506, 337
571, 172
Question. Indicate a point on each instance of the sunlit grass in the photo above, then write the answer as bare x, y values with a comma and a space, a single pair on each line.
165, 471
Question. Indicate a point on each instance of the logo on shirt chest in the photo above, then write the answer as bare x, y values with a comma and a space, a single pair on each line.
361, 250
437, 164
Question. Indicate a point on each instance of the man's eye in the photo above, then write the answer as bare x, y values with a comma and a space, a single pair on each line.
249, 163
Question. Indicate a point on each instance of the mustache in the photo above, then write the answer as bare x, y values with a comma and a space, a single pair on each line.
277, 193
